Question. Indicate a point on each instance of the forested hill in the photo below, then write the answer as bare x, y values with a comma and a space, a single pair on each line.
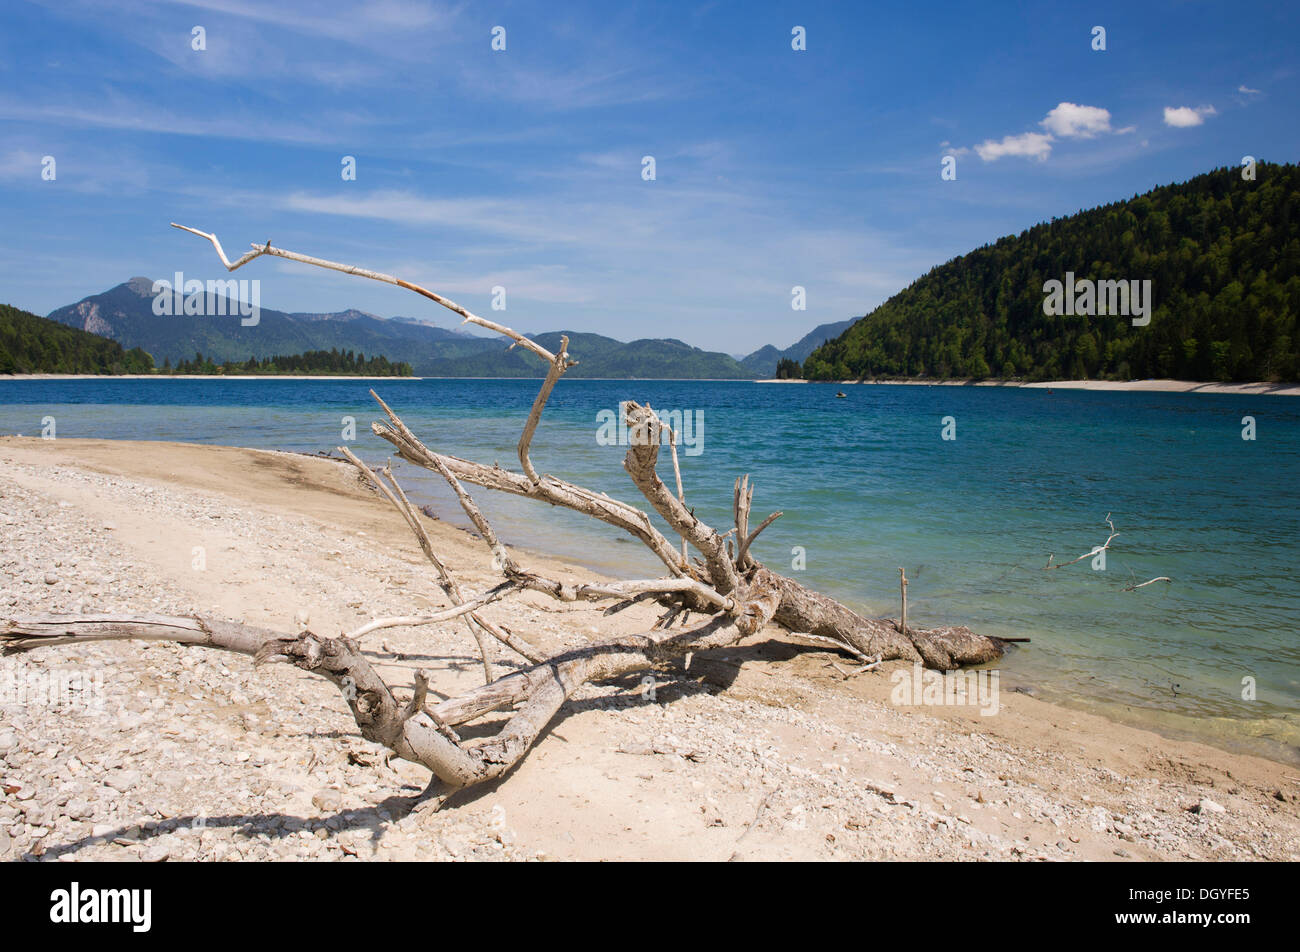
1222, 255
597, 356
30, 345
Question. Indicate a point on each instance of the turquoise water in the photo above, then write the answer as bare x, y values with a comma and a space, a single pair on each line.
866, 485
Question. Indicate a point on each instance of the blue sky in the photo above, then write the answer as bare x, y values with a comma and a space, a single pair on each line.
523, 168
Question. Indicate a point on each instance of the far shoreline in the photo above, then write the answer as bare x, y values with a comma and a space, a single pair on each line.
1154, 385
1257, 388
196, 377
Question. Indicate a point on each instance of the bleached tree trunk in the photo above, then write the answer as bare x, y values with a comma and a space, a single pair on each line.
734, 595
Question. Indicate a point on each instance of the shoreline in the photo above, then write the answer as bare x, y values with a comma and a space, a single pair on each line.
1175, 726
537, 379
195, 377
114, 523
1257, 388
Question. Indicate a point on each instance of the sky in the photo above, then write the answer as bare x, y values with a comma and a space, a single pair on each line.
524, 168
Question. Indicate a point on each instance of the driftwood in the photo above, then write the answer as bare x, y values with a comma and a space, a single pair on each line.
1090, 554
734, 595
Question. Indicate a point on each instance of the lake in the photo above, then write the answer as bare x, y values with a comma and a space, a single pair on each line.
868, 484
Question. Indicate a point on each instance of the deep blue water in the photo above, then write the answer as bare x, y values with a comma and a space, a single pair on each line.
866, 485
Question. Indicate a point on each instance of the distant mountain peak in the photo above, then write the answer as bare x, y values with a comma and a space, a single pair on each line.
764, 360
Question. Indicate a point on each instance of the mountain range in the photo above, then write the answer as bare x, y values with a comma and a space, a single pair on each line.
125, 314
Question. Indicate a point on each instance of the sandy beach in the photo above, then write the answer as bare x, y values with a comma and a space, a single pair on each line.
762, 751
1173, 386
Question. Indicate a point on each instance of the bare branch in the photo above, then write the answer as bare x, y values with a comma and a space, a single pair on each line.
445, 580
677, 473
742, 552
469, 317
902, 587
1158, 578
458, 611
560, 364
257, 251
642, 454
416, 704
1101, 548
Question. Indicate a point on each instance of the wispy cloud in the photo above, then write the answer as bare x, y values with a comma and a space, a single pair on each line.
127, 115
349, 22
21, 166
502, 217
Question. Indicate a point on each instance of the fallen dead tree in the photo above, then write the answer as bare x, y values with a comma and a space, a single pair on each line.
715, 592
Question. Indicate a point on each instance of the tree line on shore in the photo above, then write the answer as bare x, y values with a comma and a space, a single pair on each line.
331, 362
30, 344
33, 345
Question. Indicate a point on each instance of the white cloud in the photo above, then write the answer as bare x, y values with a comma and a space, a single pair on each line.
1029, 145
1071, 121
1067, 120
1183, 117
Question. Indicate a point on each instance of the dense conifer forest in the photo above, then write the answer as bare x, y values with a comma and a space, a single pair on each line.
30, 344
1222, 255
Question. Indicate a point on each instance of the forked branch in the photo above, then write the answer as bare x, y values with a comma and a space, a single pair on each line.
734, 594
1095, 551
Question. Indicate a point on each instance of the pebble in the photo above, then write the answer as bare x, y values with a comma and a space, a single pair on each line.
327, 801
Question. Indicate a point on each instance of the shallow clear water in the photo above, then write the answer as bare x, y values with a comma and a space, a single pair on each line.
866, 485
